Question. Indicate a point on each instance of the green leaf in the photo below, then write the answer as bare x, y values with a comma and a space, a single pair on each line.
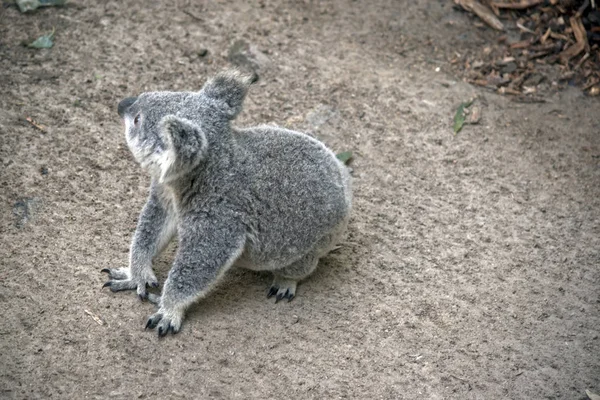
459, 117
43, 42
29, 5
344, 157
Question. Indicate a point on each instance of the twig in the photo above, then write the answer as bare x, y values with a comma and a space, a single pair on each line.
585, 57
585, 5
459, 378
36, 125
522, 44
96, 318
558, 36
545, 36
524, 28
70, 19
580, 36
589, 85
507, 90
527, 99
523, 4
192, 15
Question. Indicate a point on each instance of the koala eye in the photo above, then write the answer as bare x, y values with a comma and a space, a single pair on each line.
136, 120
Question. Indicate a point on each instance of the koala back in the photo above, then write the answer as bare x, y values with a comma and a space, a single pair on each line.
296, 191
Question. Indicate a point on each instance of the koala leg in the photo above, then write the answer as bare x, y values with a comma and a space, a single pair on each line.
207, 249
286, 279
156, 227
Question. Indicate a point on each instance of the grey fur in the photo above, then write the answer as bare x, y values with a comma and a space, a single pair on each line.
262, 198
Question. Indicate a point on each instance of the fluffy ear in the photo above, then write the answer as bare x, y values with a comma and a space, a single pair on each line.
228, 89
186, 146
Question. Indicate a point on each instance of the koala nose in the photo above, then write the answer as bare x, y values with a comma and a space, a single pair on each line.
124, 105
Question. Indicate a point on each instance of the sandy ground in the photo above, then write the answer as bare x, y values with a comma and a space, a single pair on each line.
471, 265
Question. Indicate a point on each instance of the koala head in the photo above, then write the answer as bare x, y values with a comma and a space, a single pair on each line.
170, 133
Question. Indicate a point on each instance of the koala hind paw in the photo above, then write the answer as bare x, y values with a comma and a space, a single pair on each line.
282, 289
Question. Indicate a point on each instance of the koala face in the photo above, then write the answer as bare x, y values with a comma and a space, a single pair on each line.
168, 132
163, 142
142, 117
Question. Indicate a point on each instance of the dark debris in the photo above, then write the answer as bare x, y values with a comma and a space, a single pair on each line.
550, 34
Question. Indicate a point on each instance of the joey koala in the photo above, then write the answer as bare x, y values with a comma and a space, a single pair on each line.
262, 198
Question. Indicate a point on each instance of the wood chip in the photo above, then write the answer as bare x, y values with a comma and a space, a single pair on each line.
524, 28
521, 45
545, 36
479, 82
558, 36
36, 125
482, 12
507, 90
96, 318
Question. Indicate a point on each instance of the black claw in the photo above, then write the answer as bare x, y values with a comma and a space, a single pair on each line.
272, 292
105, 270
279, 297
290, 297
141, 297
162, 332
107, 284
153, 321
154, 284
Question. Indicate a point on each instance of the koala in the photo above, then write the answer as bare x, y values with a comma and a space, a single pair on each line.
262, 198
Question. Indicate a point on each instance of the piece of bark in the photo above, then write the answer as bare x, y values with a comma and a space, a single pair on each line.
580, 36
482, 12
522, 44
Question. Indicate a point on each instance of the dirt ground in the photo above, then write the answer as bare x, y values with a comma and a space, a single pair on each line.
471, 265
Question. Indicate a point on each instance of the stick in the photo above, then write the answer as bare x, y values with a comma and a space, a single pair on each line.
585, 5
191, 15
96, 318
36, 125
482, 12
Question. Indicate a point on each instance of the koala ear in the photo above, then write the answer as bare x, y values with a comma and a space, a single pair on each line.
186, 146
228, 89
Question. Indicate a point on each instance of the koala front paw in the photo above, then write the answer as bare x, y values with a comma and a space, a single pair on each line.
122, 279
165, 321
